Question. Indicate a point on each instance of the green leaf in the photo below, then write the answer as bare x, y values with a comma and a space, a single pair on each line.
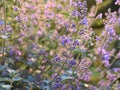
11, 71
64, 77
65, 13
95, 78
2, 67
79, 52
5, 87
45, 1
17, 79
5, 79
30, 78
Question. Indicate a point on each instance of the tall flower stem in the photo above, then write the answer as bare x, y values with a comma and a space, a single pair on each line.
4, 41
61, 68
93, 19
88, 27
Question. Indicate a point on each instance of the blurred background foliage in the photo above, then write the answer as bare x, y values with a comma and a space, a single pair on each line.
101, 9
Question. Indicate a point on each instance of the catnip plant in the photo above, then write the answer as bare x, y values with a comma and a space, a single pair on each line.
52, 45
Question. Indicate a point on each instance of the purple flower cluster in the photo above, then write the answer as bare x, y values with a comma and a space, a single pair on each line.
57, 85
53, 44
72, 62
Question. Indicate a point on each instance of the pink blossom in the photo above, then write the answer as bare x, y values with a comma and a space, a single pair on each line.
117, 2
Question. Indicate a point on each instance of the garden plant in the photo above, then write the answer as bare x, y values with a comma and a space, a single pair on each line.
56, 45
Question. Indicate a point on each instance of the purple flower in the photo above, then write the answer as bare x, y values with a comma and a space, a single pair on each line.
19, 53
1, 22
76, 43
42, 52
111, 16
112, 77
75, 13
18, 19
72, 62
102, 51
118, 87
117, 70
11, 52
117, 2
17, 58
79, 4
84, 21
9, 29
106, 57
85, 4
100, 16
59, 6
65, 40
73, 25
110, 30
57, 58
64, 86
16, 8
39, 33
106, 63
57, 85
78, 88
48, 25
118, 55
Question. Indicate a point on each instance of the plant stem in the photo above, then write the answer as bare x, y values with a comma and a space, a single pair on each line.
114, 60
96, 9
74, 72
59, 71
88, 27
4, 41
63, 62
4, 3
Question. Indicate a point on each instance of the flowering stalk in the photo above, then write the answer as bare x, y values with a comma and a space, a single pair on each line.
60, 70
76, 59
114, 60
75, 70
88, 27
96, 9
63, 62
4, 41
102, 47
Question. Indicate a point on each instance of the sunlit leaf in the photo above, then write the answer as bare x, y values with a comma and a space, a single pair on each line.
17, 79
5, 87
